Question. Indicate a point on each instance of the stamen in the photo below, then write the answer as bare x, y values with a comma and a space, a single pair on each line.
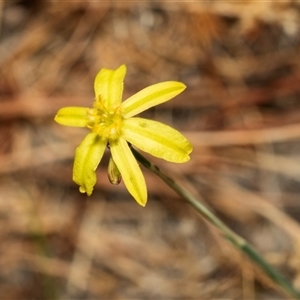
105, 122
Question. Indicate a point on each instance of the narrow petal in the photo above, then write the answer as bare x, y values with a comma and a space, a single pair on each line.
157, 139
108, 86
87, 158
151, 96
131, 173
72, 116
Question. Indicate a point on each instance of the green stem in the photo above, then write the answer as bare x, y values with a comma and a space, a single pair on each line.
240, 243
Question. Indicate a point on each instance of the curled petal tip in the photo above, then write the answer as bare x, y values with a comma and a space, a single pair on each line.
82, 189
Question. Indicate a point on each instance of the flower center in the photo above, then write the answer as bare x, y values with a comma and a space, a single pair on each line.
107, 123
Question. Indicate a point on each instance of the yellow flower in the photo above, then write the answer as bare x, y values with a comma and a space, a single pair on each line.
112, 123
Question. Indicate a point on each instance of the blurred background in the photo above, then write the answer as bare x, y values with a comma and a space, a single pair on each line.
241, 111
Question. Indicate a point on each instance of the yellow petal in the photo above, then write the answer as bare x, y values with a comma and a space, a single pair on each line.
157, 139
72, 116
131, 173
108, 86
87, 158
151, 96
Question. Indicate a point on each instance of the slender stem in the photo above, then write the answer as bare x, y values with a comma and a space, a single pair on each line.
240, 243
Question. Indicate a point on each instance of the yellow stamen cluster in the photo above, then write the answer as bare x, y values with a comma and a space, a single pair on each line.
107, 123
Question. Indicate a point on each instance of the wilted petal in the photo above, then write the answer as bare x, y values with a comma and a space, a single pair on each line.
151, 96
108, 86
87, 157
72, 116
157, 139
130, 170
